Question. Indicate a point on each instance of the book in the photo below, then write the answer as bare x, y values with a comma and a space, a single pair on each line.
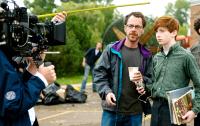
182, 105
180, 102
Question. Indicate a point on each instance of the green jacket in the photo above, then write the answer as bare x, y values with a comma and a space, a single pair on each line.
173, 71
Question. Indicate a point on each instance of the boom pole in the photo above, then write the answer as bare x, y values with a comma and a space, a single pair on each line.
92, 9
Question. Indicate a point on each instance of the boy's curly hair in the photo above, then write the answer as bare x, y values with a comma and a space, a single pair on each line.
197, 25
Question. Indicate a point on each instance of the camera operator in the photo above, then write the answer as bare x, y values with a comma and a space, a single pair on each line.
20, 92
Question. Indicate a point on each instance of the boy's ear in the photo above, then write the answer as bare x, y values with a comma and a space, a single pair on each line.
174, 33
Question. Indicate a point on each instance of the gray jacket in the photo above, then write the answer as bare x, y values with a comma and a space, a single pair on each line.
108, 71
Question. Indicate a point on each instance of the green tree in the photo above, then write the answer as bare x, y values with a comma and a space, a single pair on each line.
40, 6
83, 31
148, 39
180, 10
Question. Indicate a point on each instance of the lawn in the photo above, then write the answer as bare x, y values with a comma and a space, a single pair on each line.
76, 79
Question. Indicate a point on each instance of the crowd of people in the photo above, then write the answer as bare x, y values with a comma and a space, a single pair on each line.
173, 67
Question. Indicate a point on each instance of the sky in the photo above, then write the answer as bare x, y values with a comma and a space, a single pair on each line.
156, 8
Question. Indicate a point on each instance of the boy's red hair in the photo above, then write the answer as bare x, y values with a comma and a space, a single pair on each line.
168, 22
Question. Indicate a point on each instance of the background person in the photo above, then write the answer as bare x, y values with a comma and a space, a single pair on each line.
88, 63
196, 52
120, 103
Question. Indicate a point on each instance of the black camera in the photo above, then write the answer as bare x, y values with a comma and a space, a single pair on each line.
23, 32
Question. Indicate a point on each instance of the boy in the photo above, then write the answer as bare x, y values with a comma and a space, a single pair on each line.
173, 68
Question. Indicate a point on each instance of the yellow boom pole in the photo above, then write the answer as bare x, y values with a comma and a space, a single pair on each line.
92, 9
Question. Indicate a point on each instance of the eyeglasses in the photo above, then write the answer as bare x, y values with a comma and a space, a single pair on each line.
132, 26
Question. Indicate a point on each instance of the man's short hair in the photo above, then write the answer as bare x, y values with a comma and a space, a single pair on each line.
168, 22
197, 25
135, 14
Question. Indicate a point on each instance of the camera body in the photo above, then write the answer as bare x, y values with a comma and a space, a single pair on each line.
22, 32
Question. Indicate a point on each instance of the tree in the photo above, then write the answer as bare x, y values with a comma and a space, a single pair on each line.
115, 32
179, 10
83, 31
40, 6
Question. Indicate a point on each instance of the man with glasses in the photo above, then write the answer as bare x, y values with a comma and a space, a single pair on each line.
120, 103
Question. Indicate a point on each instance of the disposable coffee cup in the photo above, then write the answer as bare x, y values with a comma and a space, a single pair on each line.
132, 71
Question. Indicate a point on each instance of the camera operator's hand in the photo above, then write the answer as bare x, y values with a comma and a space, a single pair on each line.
60, 17
48, 72
43, 55
32, 68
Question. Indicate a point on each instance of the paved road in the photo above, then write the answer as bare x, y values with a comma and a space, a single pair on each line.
86, 114
68, 114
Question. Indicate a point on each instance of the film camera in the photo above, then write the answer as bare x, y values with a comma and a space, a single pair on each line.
22, 32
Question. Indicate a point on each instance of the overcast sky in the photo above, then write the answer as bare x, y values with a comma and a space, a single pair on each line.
155, 8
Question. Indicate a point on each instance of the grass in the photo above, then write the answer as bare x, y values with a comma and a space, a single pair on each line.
76, 79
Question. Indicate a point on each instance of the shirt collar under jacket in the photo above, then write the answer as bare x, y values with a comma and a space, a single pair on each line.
171, 48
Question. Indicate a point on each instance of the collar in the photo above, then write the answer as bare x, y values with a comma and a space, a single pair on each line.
117, 46
171, 49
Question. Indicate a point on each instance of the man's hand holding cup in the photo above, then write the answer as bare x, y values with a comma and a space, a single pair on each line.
136, 77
